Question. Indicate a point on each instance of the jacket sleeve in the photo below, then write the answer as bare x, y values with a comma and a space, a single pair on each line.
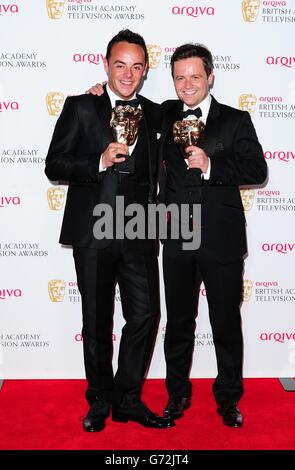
65, 159
245, 164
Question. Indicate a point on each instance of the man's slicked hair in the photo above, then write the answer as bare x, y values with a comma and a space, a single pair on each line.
125, 35
186, 51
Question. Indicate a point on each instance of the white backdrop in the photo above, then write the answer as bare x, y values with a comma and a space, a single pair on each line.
49, 50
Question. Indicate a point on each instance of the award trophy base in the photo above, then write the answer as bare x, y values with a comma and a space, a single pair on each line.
126, 167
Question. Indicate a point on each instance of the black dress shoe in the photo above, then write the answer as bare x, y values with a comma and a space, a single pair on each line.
141, 414
175, 406
231, 415
94, 421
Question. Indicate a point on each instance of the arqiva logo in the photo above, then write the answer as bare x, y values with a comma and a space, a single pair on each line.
283, 248
93, 58
10, 293
9, 201
281, 155
9, 106
195, 12
278, 337
284, 61
8, 8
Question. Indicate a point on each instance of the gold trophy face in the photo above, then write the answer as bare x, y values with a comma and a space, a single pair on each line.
188, 132
125, 126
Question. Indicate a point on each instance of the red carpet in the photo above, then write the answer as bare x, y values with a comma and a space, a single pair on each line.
44, 414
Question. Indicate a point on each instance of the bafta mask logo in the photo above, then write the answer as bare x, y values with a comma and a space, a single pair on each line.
54, 102
247, 196
55, 9
56, 198
154, 52
247, 290
247, 102
250, 10
56, 290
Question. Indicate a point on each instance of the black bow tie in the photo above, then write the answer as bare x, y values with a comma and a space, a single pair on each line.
196, 112
134, 103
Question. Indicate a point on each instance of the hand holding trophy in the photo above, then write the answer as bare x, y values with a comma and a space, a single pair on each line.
187, 133
125, 126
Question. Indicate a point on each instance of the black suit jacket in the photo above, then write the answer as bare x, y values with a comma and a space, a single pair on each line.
237, 159
81, 134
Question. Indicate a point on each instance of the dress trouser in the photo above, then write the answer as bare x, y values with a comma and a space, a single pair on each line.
183, 273
136, 271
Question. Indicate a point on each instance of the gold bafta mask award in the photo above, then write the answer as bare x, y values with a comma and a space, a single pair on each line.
125, 126
55, 8
55, 198
250, 10
186, 133
54, 102
56, 290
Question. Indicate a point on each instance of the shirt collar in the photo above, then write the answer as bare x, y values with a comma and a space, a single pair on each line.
204, 105
113, 97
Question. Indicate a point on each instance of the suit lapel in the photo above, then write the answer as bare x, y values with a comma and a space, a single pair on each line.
147, 122
211, 129
104, 114
109, 180
173, 115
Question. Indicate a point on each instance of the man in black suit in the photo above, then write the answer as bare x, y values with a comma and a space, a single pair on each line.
82, 152
228, 155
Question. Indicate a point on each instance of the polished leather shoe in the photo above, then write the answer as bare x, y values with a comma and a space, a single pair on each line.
231, 415
141, 414
94, 421
175, 406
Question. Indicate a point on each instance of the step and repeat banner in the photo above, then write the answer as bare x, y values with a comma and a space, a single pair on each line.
52, 49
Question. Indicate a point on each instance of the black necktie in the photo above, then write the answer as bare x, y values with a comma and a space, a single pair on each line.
134, 103
196, 112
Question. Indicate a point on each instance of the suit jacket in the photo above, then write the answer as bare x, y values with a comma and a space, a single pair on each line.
236, 158
81, 134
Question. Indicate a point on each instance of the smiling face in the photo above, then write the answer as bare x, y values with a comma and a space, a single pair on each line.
125, 68
191, 81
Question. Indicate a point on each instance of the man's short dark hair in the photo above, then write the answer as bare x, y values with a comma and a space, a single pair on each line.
193, 50
125, 35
